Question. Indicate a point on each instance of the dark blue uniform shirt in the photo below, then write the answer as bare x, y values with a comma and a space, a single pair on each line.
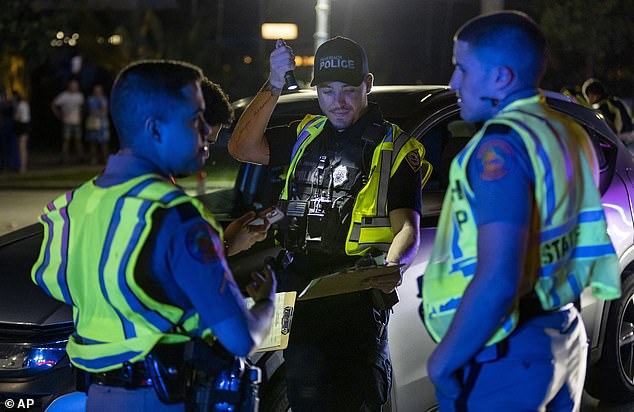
182, 262
500, 173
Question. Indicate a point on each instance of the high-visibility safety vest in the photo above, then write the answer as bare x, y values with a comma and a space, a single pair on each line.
92, 240
569, 247
370, 224
619, 113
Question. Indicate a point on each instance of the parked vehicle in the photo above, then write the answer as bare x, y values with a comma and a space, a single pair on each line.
34, 328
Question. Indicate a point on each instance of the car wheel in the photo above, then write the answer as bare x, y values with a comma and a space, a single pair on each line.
612, 378
273, 398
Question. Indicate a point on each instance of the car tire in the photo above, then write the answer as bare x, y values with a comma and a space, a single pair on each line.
273, 397
612, 378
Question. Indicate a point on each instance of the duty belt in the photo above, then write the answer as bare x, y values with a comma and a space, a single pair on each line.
530, 307
130, 376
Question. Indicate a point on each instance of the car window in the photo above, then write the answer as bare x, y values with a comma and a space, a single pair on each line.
606, 152
443, 141
446, 138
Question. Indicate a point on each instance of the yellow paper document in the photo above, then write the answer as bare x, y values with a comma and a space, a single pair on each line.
279, 333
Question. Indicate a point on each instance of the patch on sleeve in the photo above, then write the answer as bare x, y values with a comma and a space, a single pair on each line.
413, 159
203, 243
495, 159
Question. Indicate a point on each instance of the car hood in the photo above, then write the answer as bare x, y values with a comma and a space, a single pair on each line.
22, 303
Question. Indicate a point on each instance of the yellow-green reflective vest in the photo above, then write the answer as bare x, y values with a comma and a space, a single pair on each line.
621, 119
569, 247
578, 97
92, 240
370, 224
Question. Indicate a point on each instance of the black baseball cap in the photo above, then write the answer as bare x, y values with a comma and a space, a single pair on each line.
340, 60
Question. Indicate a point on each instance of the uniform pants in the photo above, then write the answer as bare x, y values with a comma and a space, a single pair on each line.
540, 367
110, 398
338, 357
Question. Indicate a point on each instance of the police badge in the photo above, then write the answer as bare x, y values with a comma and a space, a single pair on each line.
339, 175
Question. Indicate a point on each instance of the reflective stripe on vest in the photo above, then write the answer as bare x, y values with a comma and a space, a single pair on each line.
621, 113
93, 270
570, 248
370, 226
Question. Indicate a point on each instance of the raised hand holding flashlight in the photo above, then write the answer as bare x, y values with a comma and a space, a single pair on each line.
289, 78
282, 65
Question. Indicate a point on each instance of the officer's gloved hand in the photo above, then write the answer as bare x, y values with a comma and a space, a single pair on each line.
282, 59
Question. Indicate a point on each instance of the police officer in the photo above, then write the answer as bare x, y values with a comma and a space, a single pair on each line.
353, 188
218, 111
614, 109
143, 264
500, 289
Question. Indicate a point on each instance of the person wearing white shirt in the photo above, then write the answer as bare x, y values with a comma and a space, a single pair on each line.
22, 129
67, 107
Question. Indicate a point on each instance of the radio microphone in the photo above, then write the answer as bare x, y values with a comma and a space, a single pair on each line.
289, 78
494, 102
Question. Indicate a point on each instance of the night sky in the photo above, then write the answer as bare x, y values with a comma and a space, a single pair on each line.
407, 41
404, 41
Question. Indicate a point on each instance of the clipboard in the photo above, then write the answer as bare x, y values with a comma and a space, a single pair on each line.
280, 331
350, 280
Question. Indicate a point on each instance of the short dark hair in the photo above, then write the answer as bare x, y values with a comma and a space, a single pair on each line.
147, 87
514, 37
218, 110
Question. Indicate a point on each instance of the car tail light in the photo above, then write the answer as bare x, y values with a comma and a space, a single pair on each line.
20, 359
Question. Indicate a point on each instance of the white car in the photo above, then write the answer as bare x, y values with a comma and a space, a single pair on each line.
34, 328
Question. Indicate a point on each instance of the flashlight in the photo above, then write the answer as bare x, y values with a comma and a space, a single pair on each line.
289, 76
291, 83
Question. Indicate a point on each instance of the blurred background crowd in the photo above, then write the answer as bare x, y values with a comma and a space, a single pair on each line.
58, 57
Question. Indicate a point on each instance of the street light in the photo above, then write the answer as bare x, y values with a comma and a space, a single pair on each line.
322, 22
274, 31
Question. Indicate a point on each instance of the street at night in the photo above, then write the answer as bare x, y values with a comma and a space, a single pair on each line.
451, 182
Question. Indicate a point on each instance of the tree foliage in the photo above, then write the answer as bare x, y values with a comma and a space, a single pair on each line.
590, 38
25, 34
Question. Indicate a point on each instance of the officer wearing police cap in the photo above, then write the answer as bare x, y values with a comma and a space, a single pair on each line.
352, 192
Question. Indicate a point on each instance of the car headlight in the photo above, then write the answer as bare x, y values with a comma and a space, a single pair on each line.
28, 358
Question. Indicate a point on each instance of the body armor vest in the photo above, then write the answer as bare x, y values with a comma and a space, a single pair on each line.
337, 200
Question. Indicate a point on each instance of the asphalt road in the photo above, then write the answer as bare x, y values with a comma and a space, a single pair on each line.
20, 208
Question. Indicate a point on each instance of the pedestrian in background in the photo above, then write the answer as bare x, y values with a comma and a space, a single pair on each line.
22, 129
9, 159
616, 111
97, 125
501, 291
67, 107
218, 114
